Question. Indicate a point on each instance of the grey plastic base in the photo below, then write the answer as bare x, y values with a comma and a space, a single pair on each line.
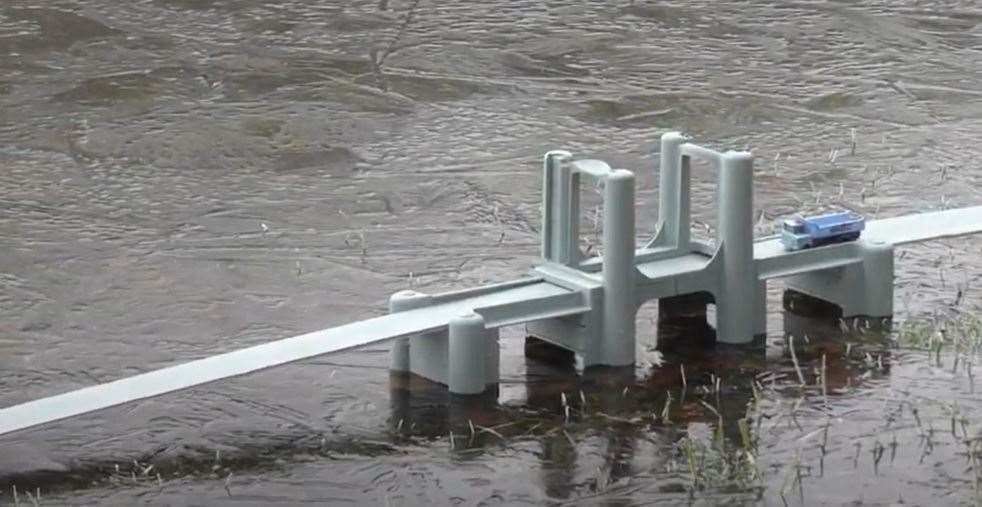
861, 289
596, 321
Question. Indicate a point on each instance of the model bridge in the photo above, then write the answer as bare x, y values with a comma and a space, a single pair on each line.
587, 305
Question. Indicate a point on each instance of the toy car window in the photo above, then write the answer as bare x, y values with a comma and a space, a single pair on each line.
795, 227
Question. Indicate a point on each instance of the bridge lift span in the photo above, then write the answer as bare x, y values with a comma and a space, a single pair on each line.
584, 304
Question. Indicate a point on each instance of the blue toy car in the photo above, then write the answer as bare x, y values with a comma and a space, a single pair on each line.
809, 232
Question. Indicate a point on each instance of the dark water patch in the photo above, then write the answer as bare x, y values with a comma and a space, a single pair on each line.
56, 29
626, 111
336, 161
555, 56
432, 89
681, 18
645, 111
191, 4
554, 66
346, 21
272, 26
262, 127
884, 28
208, 5
143, 87
663, 14
25, 64
147, 42
251, 85
834, 101
157, 468
483, 207
110, 90
361, 95
305, 73
20, 460
351, 65
950, 23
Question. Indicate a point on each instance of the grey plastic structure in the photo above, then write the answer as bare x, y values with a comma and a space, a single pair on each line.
584, 304
611, 288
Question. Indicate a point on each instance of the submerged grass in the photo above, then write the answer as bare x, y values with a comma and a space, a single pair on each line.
961, 332
750, 428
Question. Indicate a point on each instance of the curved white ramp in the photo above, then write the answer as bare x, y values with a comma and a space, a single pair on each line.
539, 296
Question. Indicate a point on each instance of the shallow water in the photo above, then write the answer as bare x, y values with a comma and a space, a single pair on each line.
187, 177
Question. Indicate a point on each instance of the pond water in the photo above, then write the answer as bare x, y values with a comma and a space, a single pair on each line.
180, 178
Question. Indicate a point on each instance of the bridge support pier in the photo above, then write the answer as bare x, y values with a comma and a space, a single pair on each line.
620, 305
469, 354
737, 301
464, 357
864, 289
605, 335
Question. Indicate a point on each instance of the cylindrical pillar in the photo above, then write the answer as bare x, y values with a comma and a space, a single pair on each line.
468, 355
427, 351
400, 302
669, 183
620, 302
737, 299
877, 279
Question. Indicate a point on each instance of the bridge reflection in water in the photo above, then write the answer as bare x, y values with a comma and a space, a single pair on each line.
602, 421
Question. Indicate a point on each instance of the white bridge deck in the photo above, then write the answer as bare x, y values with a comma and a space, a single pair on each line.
534, 296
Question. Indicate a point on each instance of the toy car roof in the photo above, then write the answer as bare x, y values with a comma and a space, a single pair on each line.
833, 218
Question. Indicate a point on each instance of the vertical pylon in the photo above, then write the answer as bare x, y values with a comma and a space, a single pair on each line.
673, 195
736, 302
619, 277
469, 344
560, 210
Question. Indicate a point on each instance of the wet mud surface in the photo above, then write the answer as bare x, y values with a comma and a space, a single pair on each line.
180, 178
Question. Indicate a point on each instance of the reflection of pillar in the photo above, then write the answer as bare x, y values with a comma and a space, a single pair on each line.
545, 384
559, 466
474, 411
818, 329
621, 447
619, 277
736, 302
419, 408
605, 390
399, 396
760, 310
